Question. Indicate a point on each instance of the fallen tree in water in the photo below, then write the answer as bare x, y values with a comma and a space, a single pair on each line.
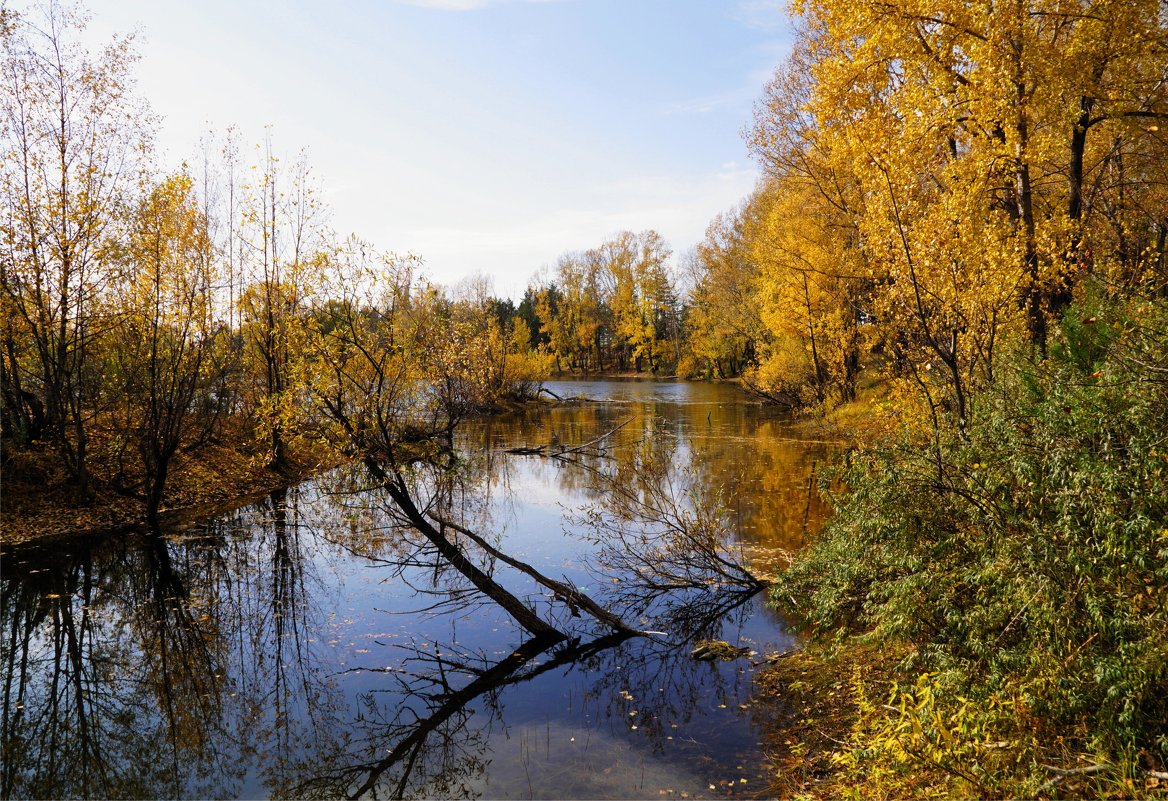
434, 528
367, 394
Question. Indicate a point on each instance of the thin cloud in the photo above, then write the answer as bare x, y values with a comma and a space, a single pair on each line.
710, 103
462, 5
762, 14
445, 5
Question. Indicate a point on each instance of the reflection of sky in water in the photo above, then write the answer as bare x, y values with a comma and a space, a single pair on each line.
299, 648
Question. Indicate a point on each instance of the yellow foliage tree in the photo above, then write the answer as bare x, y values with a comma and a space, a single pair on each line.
723, 321
167, 330
73, 145
285, 249
974, 154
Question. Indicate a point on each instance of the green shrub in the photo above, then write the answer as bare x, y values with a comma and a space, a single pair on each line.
1024, 561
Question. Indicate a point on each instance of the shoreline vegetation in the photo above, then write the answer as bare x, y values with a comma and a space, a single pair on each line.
38, 503
957, 258
40, 506
218, 476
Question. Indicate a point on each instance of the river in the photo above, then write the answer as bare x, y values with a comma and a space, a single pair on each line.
304, 645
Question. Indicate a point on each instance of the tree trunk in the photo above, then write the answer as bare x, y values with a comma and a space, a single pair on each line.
522, 614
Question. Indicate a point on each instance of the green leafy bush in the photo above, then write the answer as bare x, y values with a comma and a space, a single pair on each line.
1022, 561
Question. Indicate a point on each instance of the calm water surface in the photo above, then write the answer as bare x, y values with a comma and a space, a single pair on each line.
303, 646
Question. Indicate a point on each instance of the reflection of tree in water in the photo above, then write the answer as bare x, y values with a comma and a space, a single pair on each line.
416, 732
181, 656
104, 665
654, 684
266, 599
737, 449
426, 733
424, 730
148, 667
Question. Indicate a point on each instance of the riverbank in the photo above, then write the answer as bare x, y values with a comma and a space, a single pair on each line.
815, 692
868, 419
850, 729
38, 502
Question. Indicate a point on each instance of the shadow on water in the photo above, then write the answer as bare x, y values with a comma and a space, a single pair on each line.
316, 644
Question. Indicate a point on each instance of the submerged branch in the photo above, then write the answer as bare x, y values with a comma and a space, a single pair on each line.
556, 451
570, 595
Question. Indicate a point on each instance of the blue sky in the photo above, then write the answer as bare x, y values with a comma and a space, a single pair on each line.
488, 136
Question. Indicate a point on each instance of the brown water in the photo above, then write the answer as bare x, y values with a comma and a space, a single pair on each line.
302, 646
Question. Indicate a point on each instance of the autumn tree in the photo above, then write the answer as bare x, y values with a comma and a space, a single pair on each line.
724, 327
971, 157
465, 360
641, 296
74, 139
614, 305
810, 293
479, 354
363, 366
527, 312
168, 331
282, 247
584, 311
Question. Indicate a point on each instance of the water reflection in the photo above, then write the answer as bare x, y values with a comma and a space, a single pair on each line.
734, 446
313, 645
111, 674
